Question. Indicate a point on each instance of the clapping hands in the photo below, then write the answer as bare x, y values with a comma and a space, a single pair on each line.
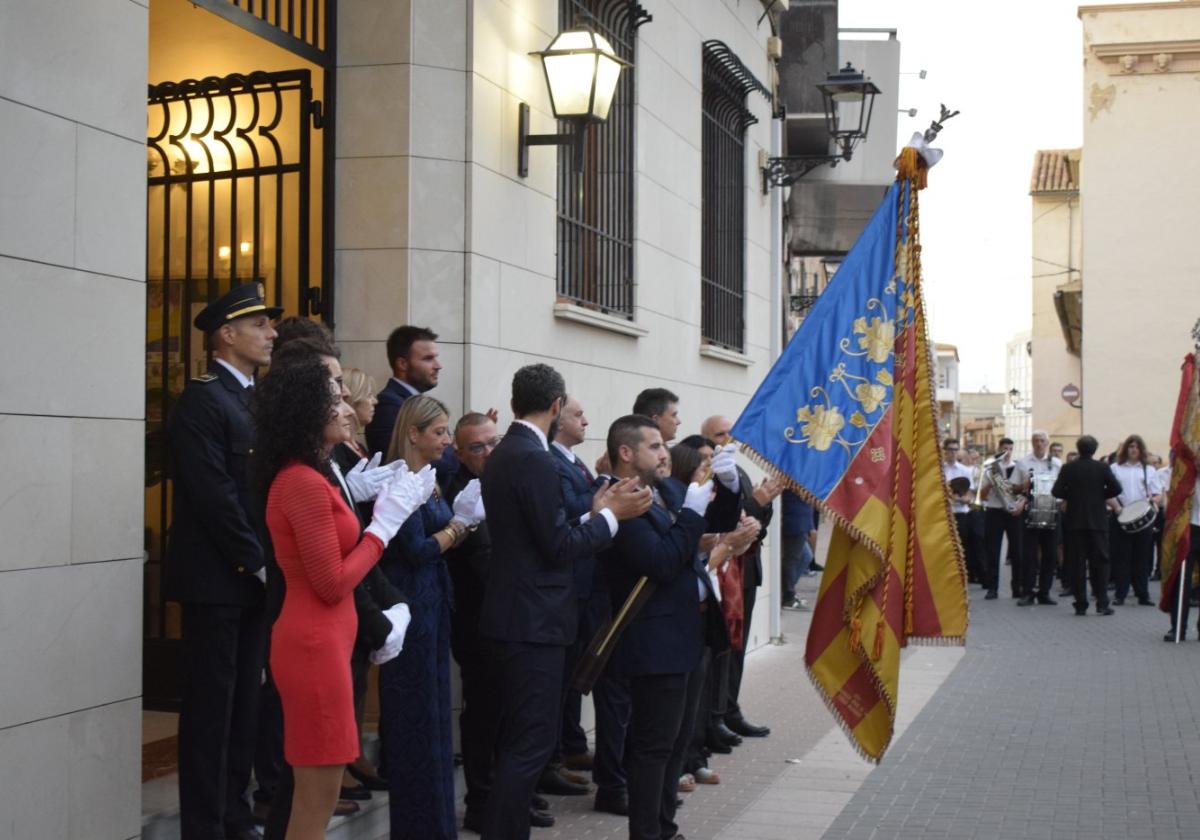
468, 505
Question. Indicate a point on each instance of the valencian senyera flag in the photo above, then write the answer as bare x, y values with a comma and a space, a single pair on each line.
1185, 444
847, 417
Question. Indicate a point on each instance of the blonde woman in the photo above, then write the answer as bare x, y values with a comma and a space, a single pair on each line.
361, 386
415, 686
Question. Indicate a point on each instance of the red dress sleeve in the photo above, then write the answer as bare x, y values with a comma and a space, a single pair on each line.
306, 501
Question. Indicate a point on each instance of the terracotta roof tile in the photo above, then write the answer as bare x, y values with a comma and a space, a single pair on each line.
1055, 170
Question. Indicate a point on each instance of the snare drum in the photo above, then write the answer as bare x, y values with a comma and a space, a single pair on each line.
1137, 516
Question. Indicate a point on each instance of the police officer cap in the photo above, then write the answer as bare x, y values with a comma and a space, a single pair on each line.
239, 302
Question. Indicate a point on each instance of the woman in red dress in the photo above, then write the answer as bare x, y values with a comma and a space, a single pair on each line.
301, 417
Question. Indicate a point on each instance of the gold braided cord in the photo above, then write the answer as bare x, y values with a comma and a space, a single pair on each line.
913, 270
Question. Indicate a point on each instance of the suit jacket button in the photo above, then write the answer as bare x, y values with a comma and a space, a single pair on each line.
241, 568
251, 451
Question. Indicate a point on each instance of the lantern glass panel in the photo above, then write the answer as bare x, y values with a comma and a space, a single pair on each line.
570, 78
607, 74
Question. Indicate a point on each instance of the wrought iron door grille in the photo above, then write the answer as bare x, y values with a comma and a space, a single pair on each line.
595, 206
305, 27
229, 201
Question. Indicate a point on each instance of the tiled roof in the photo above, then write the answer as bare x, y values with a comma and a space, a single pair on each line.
1055, 170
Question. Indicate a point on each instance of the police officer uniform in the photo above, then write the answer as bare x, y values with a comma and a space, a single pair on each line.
214, 557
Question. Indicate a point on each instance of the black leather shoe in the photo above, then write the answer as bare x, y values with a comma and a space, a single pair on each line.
991, 595
540, 819
1145, 602
358, 793
539, 804
1170, 637
715, 744
727, 735
1046, 600
1026, 601
371, 781
746, 729
553, 783
473, 821
1105, 611
612, 803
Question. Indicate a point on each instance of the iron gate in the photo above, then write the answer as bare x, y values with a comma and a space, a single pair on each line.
229, 201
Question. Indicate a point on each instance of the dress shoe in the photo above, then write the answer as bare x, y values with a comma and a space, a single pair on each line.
582, 761
345, 808
612, 803
540, 804
727, 735
1026, 601
358, 793
554, 783
743, 727
473, 821
540, 819
1170, 637
816, 567
1145, 602
1105, 611
369, 780
1081, 611
991, 595
1046, 600
716, 744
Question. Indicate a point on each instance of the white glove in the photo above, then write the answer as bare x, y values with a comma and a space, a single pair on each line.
261, 574
698, 496
724, 466
367, 479
400, 616
468, 505
399, 497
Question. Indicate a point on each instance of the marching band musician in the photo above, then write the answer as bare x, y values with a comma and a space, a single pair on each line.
962, 490
1001, 521
1132, 553
1035, 474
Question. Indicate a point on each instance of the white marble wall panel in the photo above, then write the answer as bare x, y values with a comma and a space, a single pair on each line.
70, 639
107, 506
110, 204
439, 105
372, 203
94, 368
104, 760
37, 190
84, 60
437, 205
483, 300
35, 512
374, 32
372, 293
374, 106
439, 33
33, 764
435, 292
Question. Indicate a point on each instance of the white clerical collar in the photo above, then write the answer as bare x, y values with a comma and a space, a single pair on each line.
244, 380
541, 436
411, 390
565, 451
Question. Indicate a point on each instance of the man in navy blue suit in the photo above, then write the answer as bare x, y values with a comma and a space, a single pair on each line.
529, 613
665, 642
412, 354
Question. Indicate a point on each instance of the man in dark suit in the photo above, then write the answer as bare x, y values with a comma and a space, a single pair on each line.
665, 641
412, 354
529, 605
578, 487
759, 503
215, 567
1089, 489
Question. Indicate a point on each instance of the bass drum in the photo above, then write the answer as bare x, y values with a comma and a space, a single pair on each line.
1137, 516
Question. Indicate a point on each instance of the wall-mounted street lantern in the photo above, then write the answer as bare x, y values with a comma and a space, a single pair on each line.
581, 73
848, 97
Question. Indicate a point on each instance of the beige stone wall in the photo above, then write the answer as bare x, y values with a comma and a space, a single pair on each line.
72, 258
1140, 177
1057, 242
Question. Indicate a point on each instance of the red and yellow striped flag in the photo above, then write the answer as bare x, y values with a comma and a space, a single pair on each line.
1185, 445
863, 446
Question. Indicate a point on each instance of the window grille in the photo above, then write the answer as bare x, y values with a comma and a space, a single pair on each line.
595, 206
725, 84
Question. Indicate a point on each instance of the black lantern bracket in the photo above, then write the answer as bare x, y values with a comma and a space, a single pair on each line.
573, 138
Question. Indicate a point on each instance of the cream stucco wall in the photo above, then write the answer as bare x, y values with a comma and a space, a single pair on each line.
1139, 181
1057, 241
72, 271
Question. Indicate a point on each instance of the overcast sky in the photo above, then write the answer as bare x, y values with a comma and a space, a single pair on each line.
1015, 70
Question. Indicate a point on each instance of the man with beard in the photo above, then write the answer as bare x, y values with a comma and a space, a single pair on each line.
412, 354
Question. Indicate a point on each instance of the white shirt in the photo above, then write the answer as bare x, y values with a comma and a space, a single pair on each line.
957, 470
1010, 472
244, 380
411, 390
1137, 482
1031, 465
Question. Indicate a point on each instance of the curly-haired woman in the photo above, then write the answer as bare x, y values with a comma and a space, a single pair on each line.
1133, 554
301, 417
414, 688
